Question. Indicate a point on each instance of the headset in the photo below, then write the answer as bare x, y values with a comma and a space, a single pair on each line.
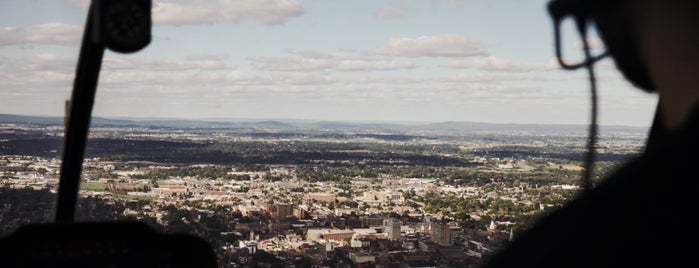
613, 23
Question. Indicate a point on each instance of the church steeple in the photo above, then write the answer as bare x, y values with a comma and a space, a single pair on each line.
493, 226
512, 234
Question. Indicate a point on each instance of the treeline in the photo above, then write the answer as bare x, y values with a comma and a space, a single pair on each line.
290, 152
206, 172
268, 153
330, 173
559, 153
523, 215
47, 147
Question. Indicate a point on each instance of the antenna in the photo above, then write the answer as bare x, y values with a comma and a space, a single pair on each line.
122, 26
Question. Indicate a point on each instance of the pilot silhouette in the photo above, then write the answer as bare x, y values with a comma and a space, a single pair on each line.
642, 214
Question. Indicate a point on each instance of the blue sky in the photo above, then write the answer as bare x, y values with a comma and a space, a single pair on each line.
426, 60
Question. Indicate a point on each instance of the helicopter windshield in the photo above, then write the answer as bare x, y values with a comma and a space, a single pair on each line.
296, 132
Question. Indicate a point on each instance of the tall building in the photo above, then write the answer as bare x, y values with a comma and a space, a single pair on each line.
392, 228
280, 211
310, 198
278, 227
300, 213
441, 233
369, 221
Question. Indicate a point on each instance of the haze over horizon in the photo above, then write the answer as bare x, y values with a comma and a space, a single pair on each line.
294, 122
383, 61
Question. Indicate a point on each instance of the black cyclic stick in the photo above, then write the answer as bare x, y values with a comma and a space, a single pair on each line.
78, 122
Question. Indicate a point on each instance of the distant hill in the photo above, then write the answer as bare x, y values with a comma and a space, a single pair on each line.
326, 126
356, 126
168, 123
31, 120
477, 126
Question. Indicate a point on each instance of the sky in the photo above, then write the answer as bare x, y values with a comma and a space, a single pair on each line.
351, 60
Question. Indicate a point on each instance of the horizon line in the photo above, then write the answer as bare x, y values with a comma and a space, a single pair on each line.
257, 120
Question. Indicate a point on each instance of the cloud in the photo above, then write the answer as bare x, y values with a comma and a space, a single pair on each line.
451, 3
289, 64
394, 10
306, 79
312, 60
390, 80
52, 62
445, 45
194, 82
77, 3
489, 78
266, 12
208, 74
192, 86
183, 12
607, 65
458, 3
45, 72
54, 33
50, 70
372, 65
492, 63
40, 63
594, 43
157, 64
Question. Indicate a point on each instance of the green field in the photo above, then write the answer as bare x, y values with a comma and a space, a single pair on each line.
92, 186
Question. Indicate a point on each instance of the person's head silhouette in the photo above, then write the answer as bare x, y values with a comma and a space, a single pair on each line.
653, 44
615, 224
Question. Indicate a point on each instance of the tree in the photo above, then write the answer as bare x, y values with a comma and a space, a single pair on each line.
264, 256
364, 206
304, 262
350, 203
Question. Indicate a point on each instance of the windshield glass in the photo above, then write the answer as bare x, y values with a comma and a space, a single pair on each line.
313, 132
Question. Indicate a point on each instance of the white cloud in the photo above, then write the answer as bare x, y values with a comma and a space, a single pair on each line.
50, 70
451, 3
607, 65
210, 81
54, 33
394, 10
391, 80
289, 64
594, 43
40, 62
312, 60
208, 74
136, 81
459, 3
372, 65
52, 62
306, 79
445, 45
157, 64
41, 72
77, 3
240, 77
267, 12
492, 63
182, 12
488, 78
